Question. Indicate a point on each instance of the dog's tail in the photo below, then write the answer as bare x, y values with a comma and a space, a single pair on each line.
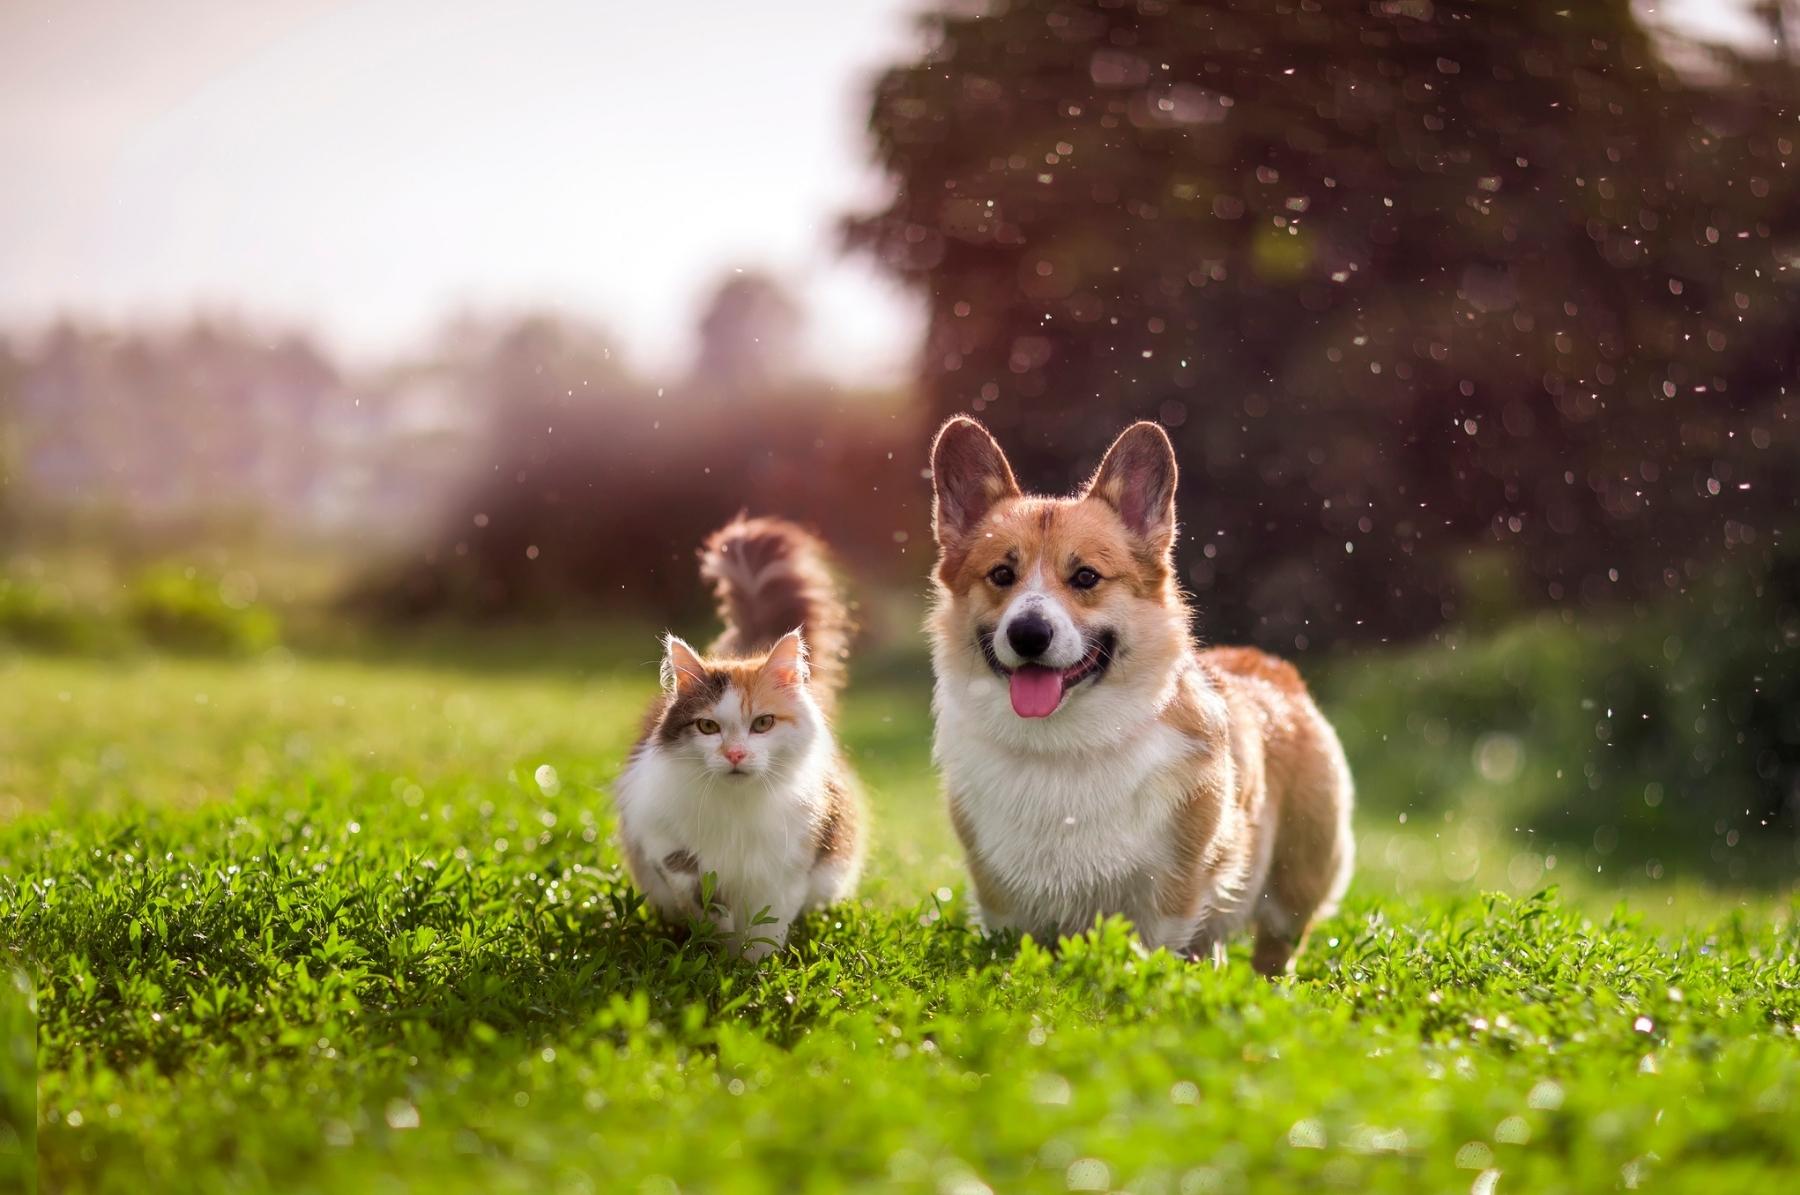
770, 577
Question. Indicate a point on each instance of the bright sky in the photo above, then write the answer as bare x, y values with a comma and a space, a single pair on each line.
365, 167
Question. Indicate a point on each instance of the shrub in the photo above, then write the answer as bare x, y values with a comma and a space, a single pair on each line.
184, 610
48, 618
1679, 719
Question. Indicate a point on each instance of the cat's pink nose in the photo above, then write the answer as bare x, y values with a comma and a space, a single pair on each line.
734, 755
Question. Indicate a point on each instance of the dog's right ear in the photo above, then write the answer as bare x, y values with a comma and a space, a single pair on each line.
969, 474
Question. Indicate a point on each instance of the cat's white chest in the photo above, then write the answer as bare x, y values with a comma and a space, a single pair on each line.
751, 835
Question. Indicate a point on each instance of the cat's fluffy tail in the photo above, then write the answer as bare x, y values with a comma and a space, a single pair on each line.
771, 576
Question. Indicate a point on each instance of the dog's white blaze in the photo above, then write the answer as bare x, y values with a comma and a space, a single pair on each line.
1066, 644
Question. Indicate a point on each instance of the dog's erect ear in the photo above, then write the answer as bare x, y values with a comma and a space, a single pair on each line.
969, 474
682, 669
1137, 479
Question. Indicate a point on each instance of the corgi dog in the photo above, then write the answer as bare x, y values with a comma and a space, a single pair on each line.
1096, 760
737, 774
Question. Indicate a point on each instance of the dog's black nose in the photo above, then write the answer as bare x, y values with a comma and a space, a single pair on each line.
1030, 635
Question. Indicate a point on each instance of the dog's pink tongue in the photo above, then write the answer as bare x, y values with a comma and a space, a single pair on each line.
1036, 692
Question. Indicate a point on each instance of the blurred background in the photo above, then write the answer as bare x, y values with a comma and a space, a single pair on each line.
445, 330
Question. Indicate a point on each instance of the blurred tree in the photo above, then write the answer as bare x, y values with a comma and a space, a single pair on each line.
749, 336
1407, 281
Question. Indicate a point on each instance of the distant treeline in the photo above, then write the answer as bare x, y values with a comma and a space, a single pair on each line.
515, 467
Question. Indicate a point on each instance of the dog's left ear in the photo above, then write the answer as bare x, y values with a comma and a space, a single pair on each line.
1137, 479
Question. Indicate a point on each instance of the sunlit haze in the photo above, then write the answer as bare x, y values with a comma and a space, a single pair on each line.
365, 169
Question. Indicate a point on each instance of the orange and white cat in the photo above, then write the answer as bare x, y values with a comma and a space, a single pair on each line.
1097, 761
737, 773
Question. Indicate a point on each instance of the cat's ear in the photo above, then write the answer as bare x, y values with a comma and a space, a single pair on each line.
969, 475
786, 665
682, 669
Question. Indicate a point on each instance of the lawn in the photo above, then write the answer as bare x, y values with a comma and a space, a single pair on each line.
342, 923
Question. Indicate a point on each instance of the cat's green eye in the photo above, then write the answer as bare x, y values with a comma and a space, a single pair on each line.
706, 726
764, 723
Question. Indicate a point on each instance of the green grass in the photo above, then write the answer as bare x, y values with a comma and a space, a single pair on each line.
315, 924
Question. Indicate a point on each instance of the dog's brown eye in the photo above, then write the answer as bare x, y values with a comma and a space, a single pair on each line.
1085, 578
1002, 575
763, 724
706, 726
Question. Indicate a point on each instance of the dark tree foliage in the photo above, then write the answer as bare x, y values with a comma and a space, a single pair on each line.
1444, 303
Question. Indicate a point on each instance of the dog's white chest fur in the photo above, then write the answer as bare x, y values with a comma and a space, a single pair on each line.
1069, 835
